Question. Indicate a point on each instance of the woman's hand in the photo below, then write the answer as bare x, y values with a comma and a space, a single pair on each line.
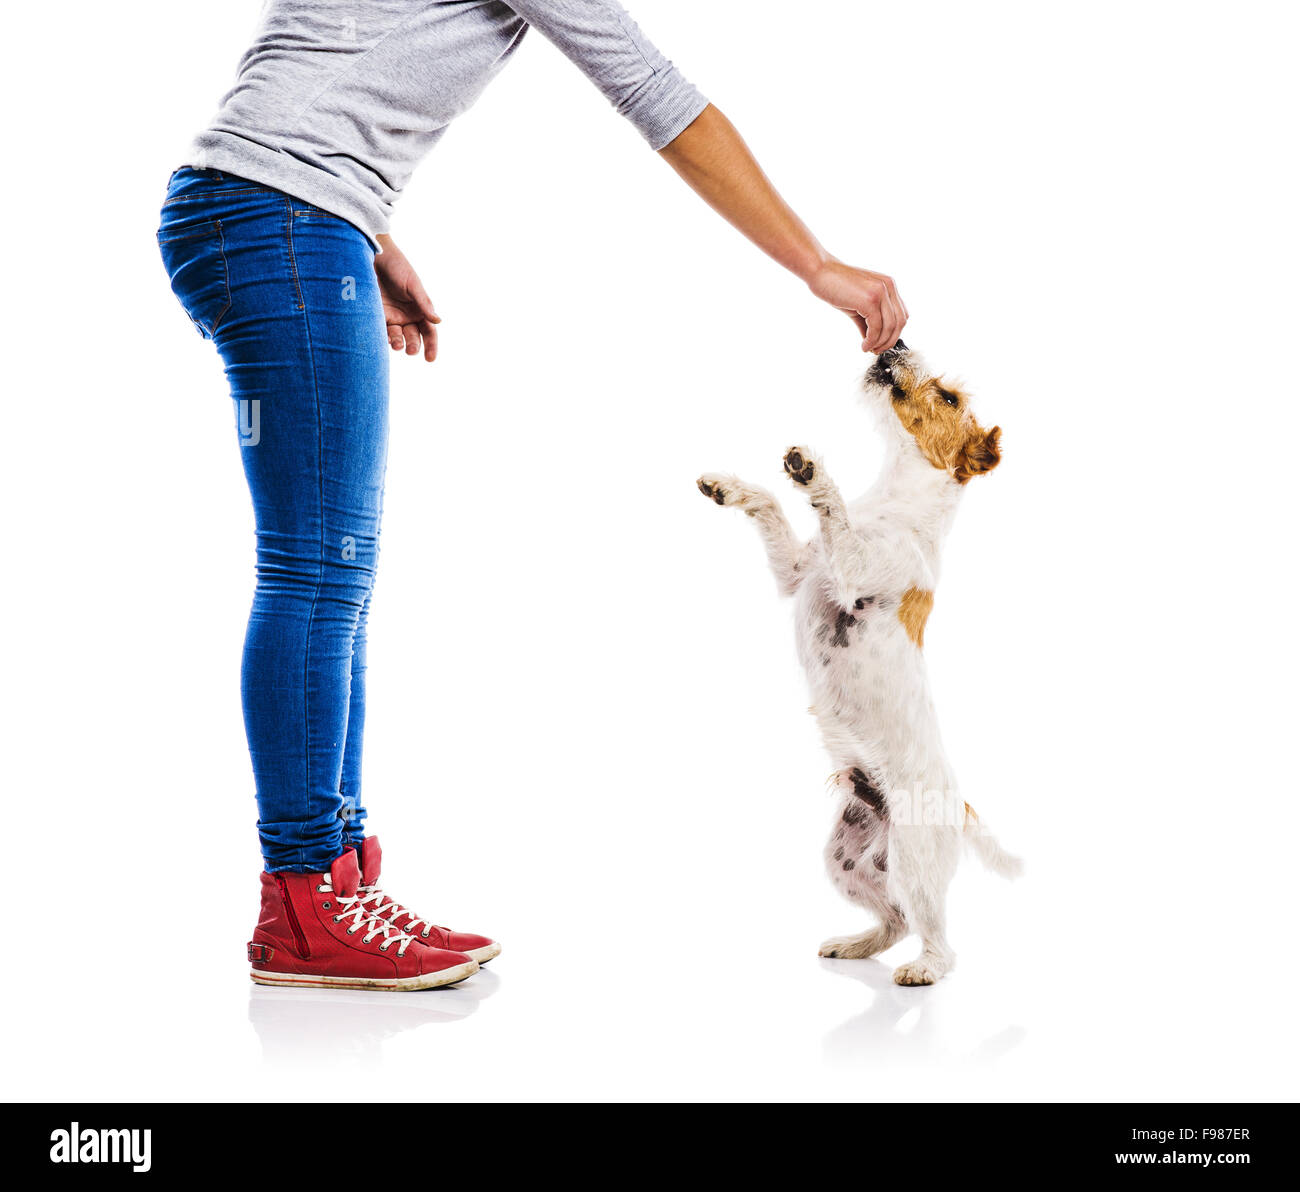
408, 309
869, 299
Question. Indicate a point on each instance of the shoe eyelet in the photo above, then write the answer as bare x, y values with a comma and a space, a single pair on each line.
383, 947
352, 931
338, 918
325, 906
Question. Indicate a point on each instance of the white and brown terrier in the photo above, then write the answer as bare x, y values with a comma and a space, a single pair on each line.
864, 589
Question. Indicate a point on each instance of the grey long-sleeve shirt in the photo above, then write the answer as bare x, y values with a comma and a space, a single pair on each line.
338, 100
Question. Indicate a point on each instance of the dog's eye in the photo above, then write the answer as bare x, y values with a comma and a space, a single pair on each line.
951, 398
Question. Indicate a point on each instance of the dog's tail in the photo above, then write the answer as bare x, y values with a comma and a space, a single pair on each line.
985, 846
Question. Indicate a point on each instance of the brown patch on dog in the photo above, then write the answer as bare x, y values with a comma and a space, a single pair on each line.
937, 415
914, 611
970, 813
980, 453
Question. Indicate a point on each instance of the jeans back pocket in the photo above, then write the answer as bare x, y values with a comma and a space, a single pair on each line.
195, 260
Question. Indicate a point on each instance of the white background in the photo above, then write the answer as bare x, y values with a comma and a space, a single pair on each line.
587, 730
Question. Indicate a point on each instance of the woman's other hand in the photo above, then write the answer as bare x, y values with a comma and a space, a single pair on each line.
408, 309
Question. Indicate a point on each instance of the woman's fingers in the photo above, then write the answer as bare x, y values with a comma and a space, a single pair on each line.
889, 318
415, 336
874, 311
894, 321
900, 304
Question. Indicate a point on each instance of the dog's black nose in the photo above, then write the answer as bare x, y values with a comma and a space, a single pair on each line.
883, 369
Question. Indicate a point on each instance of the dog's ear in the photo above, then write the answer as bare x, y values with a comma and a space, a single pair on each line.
979, 453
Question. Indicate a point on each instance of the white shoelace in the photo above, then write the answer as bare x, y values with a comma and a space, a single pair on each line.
354, 907
377, 896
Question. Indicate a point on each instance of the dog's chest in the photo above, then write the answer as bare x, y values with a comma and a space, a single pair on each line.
833, 628
832, 637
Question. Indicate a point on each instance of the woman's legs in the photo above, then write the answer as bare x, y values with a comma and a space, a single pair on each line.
289, 295
305, 355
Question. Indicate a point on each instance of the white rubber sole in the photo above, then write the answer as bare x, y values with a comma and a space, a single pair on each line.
485, 953
393, 984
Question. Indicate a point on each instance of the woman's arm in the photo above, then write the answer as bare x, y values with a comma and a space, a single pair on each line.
717, 164
704, 148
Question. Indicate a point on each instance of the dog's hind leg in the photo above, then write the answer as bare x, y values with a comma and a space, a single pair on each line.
922, 861
856, 859
787, 556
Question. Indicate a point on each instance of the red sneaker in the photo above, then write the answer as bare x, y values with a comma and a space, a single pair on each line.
315, 931
479, 947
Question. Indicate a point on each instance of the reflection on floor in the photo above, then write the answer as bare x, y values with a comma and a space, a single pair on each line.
326, 1025
907, 1024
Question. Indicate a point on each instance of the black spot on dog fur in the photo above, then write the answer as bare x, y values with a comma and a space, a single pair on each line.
866, 790
843, 620
848, 864
862, 601
880, 862
839, 854
854, 815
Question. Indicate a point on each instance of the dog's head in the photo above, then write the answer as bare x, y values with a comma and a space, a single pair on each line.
934, 415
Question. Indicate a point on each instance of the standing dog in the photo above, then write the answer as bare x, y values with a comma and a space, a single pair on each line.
864, 589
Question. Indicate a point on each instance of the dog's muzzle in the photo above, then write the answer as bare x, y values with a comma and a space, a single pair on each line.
882, 372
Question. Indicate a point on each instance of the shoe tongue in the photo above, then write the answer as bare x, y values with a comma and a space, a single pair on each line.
371, 857
344, 874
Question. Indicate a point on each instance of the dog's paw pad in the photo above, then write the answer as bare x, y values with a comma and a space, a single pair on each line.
914, 973
799, 467
711, 487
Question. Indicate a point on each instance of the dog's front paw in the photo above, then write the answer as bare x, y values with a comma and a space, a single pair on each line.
731, 490
799, 465
713, 486
915, 972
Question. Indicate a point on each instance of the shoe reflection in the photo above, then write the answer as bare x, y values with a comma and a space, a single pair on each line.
323, 1026
907, 1024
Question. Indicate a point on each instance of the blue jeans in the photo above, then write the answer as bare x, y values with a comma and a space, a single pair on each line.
288, 294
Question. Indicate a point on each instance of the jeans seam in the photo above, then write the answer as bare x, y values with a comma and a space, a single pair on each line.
320, 513
203, 198
225, 273
297, 281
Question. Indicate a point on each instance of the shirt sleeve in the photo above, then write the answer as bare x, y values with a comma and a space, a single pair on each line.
603, 41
